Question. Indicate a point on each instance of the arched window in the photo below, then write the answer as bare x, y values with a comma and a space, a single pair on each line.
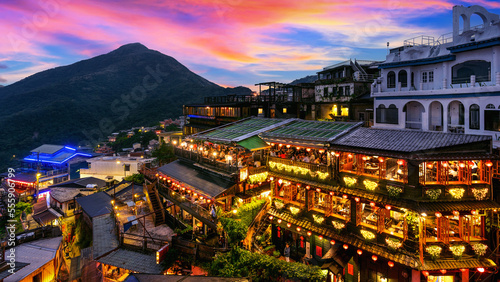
461, 72
490, 106
474, 116
387, 115
391, 80
403, 78
491, 118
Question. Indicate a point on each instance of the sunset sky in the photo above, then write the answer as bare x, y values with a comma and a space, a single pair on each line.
229, 42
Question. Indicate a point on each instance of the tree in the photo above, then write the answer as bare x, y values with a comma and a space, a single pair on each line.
164, 154
137, 178
235, 230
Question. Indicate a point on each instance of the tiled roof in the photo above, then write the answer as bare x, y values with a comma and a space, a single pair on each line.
406, 141
209, 184
103, 238
405, 259
47, 149
96, 204
134, 261
457, 206
240, 130
308, 131
458, 264
81, 182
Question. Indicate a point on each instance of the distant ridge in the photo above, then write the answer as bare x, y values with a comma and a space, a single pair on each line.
87, 100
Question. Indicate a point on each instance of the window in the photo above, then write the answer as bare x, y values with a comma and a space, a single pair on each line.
403, 78
431, 76
424, 77
391, 80
491, 118
284, 110
461, 72
260, 111
474, 117
325, 91
347, 91
387, 115
126, 167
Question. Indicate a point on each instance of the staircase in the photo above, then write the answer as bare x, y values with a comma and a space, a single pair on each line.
258, 226
155, 204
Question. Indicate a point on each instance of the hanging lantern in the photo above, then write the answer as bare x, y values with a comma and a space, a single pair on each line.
463, 269
356, 199
298, 229
381, 160
309, 233
279, 220
443, 271
391, 264
308, 149
372, 204
288, 146
320, 238
401, 162
289, 225
429, 165
308, 187
350, 156
438, 214
462, 165
388, 207
473, 212
271, 217
332, 242
364, 158
374, 258
298, 148
337, 154
360, 252
280, 145
445, 165
488, 163
346, 246
344, 196
331, 193
280, 181
318, 190
480, 269
425, 273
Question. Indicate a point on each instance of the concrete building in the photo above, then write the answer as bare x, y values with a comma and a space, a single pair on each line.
117, 167
448, 84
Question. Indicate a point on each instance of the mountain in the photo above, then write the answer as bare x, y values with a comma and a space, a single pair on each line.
307, 79
88, 100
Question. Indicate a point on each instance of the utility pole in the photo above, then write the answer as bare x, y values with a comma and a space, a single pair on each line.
37, 176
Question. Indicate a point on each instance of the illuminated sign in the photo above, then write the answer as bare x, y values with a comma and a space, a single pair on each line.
160, 254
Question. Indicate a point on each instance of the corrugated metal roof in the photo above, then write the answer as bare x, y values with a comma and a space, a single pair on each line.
134, 261
47, 149
404, 140
96, 204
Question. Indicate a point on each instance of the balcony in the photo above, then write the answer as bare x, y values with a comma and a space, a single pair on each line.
208, 162
308, 171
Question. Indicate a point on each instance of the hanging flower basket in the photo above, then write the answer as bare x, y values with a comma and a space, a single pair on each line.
457, 193
370, 185
393, 244
279, 204
480, 193
368, 235
434, 251
350, 181
394, 191
433, 194
457, 251
318, 219
479, 249
338, 226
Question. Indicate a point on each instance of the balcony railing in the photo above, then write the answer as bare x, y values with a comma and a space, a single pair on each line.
311, 167
209, 162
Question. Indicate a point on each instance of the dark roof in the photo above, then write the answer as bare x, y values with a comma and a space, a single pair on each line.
95, 204
17, 267
65, 194
405, 141
47, 149
308, 132
240, 130
141, 277
458, 264
81, 182
45, 217
104, 240
23, 177
208, 184
134, 261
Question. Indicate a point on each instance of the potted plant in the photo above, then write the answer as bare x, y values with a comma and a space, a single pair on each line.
457, 251
434, 251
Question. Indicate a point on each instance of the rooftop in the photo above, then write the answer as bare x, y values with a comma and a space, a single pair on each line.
103, 238
36, 254
304, 132
134, 261
54, 154
64, 194
240, 130
81, 183
405, 141
123, 159
96, 204
208, 184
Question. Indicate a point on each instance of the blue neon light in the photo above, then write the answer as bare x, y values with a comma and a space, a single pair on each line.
69, 148
61, 162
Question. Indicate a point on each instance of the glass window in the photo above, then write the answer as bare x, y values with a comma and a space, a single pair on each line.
461, 72
391, 80
492, 120
424, 77
387, 115
284, 110
403, 78
474, 117
431, 76
260, 111
347, 90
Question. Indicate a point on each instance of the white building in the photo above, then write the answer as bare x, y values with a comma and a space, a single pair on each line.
448, 84
117, 167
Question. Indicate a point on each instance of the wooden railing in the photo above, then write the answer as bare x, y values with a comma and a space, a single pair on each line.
209, 162
310, 166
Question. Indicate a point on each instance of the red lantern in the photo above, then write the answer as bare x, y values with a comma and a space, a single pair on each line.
380, 159
289, 225
350, 156
388, 207
425, 273
280, 181
438, 214
463, 269
344, 196
391, 264
332, 242
298, 229
345, 246
308, 187
480, 269
360, 252
401, 162
374, 258
489, 163
318, 190
443, 271
331, 193
462, 165
271, 217
372, 204
429, 165
309, 233
320, 238
356, 199
279, 220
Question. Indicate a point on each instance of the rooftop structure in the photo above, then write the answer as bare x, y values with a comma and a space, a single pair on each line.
117, 167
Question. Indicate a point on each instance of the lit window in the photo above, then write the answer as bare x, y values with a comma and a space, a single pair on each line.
284, 110
344, 111
260, 111
334, 110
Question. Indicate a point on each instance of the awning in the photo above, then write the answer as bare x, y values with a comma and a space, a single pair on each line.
45, 217
254, 143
